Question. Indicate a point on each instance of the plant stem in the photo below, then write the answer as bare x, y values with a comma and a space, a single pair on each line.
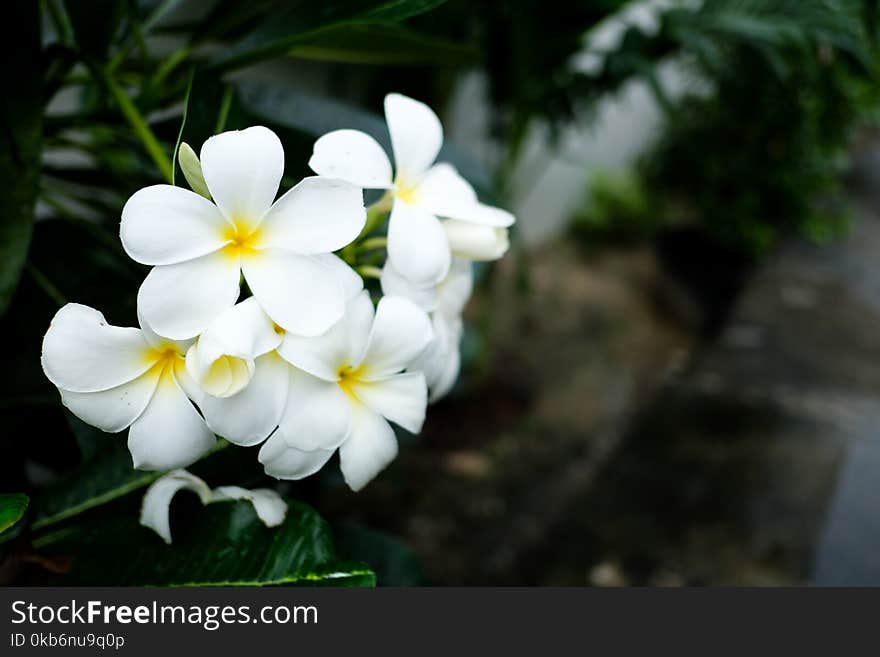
373, 243
368, 271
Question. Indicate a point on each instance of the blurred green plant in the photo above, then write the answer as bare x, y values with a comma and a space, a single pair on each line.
619, 210
756, 150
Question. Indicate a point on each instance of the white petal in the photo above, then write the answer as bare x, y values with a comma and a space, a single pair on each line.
401, 398
395, 284
244, 331
159, 342
270, 508
163, 225
114, 409
442, 183
417, 245
353, 156
441, 361
370, 447
180, 301
416, 136
299, 293
243, 169
444, 193
156, 506
186, 382
285, 462
359, 319
319, 215
341, 346
170, 433
351, 281
401, 332
83, 353
317, 415
446, 377
475, 242
248, 417
455, 290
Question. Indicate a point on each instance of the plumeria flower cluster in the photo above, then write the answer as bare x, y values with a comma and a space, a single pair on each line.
253, 328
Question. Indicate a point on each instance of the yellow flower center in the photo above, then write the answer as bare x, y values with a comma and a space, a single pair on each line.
241, 238
165, 360
406, 192
348, 378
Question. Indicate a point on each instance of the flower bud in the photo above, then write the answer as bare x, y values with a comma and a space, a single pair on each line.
473, 241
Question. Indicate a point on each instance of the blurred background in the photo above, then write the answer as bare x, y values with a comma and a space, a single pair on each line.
671, 379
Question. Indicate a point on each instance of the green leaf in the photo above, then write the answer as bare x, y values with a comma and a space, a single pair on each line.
139, 125
315, 116
222, 544
282, 29
109, 476
106, 477
12, 508
382, 44
21, 109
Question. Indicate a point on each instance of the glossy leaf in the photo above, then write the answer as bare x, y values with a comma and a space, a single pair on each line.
283, 28
222, 544
20, 139
12, 508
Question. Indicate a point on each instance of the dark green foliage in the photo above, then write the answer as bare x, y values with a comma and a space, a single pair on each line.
20, 114
222, 544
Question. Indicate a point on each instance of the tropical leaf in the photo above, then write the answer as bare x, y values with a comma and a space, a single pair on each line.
282, 29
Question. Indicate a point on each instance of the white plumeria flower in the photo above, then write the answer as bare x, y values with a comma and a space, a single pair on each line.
222, 359
199, 249
156, 506
441, 361
246, 339
114, 378
418, 245
345, 387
